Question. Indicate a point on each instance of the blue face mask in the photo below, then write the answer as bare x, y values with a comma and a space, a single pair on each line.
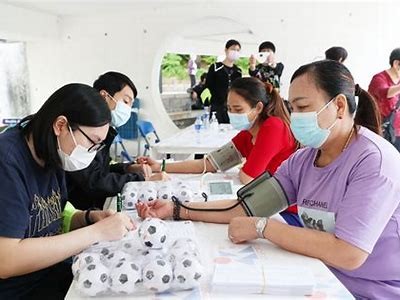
306, 130
240, 121
121, 113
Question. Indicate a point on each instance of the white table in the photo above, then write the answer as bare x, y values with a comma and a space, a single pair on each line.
188, 141
212, 237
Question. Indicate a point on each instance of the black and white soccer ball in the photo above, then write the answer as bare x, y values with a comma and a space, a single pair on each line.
165, 192
184, 193
129, 197
153, 233
149, 255
187, 243
188, 273
147, 193
114, 257
183, 247
80, 261
93, 279
124, 276
157, 275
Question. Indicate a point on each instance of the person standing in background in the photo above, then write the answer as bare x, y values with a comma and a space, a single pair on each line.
192, 69
268, 70
385, 87
219, 78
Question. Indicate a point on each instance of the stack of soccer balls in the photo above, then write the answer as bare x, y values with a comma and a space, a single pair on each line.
148, 191
146, 259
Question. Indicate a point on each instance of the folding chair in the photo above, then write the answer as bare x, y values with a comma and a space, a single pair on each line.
146, 128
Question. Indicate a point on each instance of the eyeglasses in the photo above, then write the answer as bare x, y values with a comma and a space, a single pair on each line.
95, 146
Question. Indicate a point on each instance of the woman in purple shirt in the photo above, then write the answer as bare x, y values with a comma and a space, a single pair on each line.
345, 182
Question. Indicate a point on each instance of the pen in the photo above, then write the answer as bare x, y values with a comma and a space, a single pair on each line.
163, 166
119, 202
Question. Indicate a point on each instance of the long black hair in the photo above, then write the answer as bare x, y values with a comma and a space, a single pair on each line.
334, 78
79, 103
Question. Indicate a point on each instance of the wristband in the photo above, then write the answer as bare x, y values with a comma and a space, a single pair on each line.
87, 215
177, 209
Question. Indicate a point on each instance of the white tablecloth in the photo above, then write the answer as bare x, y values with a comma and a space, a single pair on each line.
188, 141
213, 237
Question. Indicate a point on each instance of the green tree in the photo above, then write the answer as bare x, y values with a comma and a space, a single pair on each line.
174, 66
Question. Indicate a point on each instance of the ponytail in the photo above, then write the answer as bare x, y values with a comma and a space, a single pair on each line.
275, 106
367, 112
253, 90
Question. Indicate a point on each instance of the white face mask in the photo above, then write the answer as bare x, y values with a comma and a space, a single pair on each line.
233, 55
79, 159
121, 113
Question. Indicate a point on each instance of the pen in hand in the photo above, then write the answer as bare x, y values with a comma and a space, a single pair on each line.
119, 202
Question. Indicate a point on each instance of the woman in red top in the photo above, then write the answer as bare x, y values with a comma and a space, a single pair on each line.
385, 87
265, 141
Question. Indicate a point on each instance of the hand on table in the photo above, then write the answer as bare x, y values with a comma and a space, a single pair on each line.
242, 229
155, 209
113, 226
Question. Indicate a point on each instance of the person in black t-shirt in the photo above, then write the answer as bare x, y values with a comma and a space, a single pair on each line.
36, 234
90, 187
219, 78
268, 70
196, 91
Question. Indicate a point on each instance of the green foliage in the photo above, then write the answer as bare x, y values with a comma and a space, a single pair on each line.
243, 63
175, 65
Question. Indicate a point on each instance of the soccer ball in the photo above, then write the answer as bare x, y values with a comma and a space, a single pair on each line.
131, 247
165, 192
153, 233
183, 247
113, 258
124, 276
185, 243
184, 193
81, 260
93, 279
157, 275
175, 254
149, 255
187, 273
147, 193
129, 197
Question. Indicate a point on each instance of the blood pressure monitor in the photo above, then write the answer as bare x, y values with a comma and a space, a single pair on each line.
220, 190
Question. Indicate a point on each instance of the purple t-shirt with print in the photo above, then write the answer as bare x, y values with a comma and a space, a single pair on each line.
356, 197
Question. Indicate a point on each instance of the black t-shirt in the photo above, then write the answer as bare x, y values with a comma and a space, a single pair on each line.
266, 73
219, 79
91, 186
32, 199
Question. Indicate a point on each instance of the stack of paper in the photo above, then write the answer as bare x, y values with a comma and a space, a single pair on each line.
240, 271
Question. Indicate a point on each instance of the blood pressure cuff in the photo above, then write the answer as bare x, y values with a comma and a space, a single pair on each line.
225, 157
263, 197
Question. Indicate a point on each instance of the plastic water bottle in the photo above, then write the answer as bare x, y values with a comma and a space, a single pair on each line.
198, 124
206, 118
214, 122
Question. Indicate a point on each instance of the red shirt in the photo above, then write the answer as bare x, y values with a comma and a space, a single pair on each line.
274, 144
378, 88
